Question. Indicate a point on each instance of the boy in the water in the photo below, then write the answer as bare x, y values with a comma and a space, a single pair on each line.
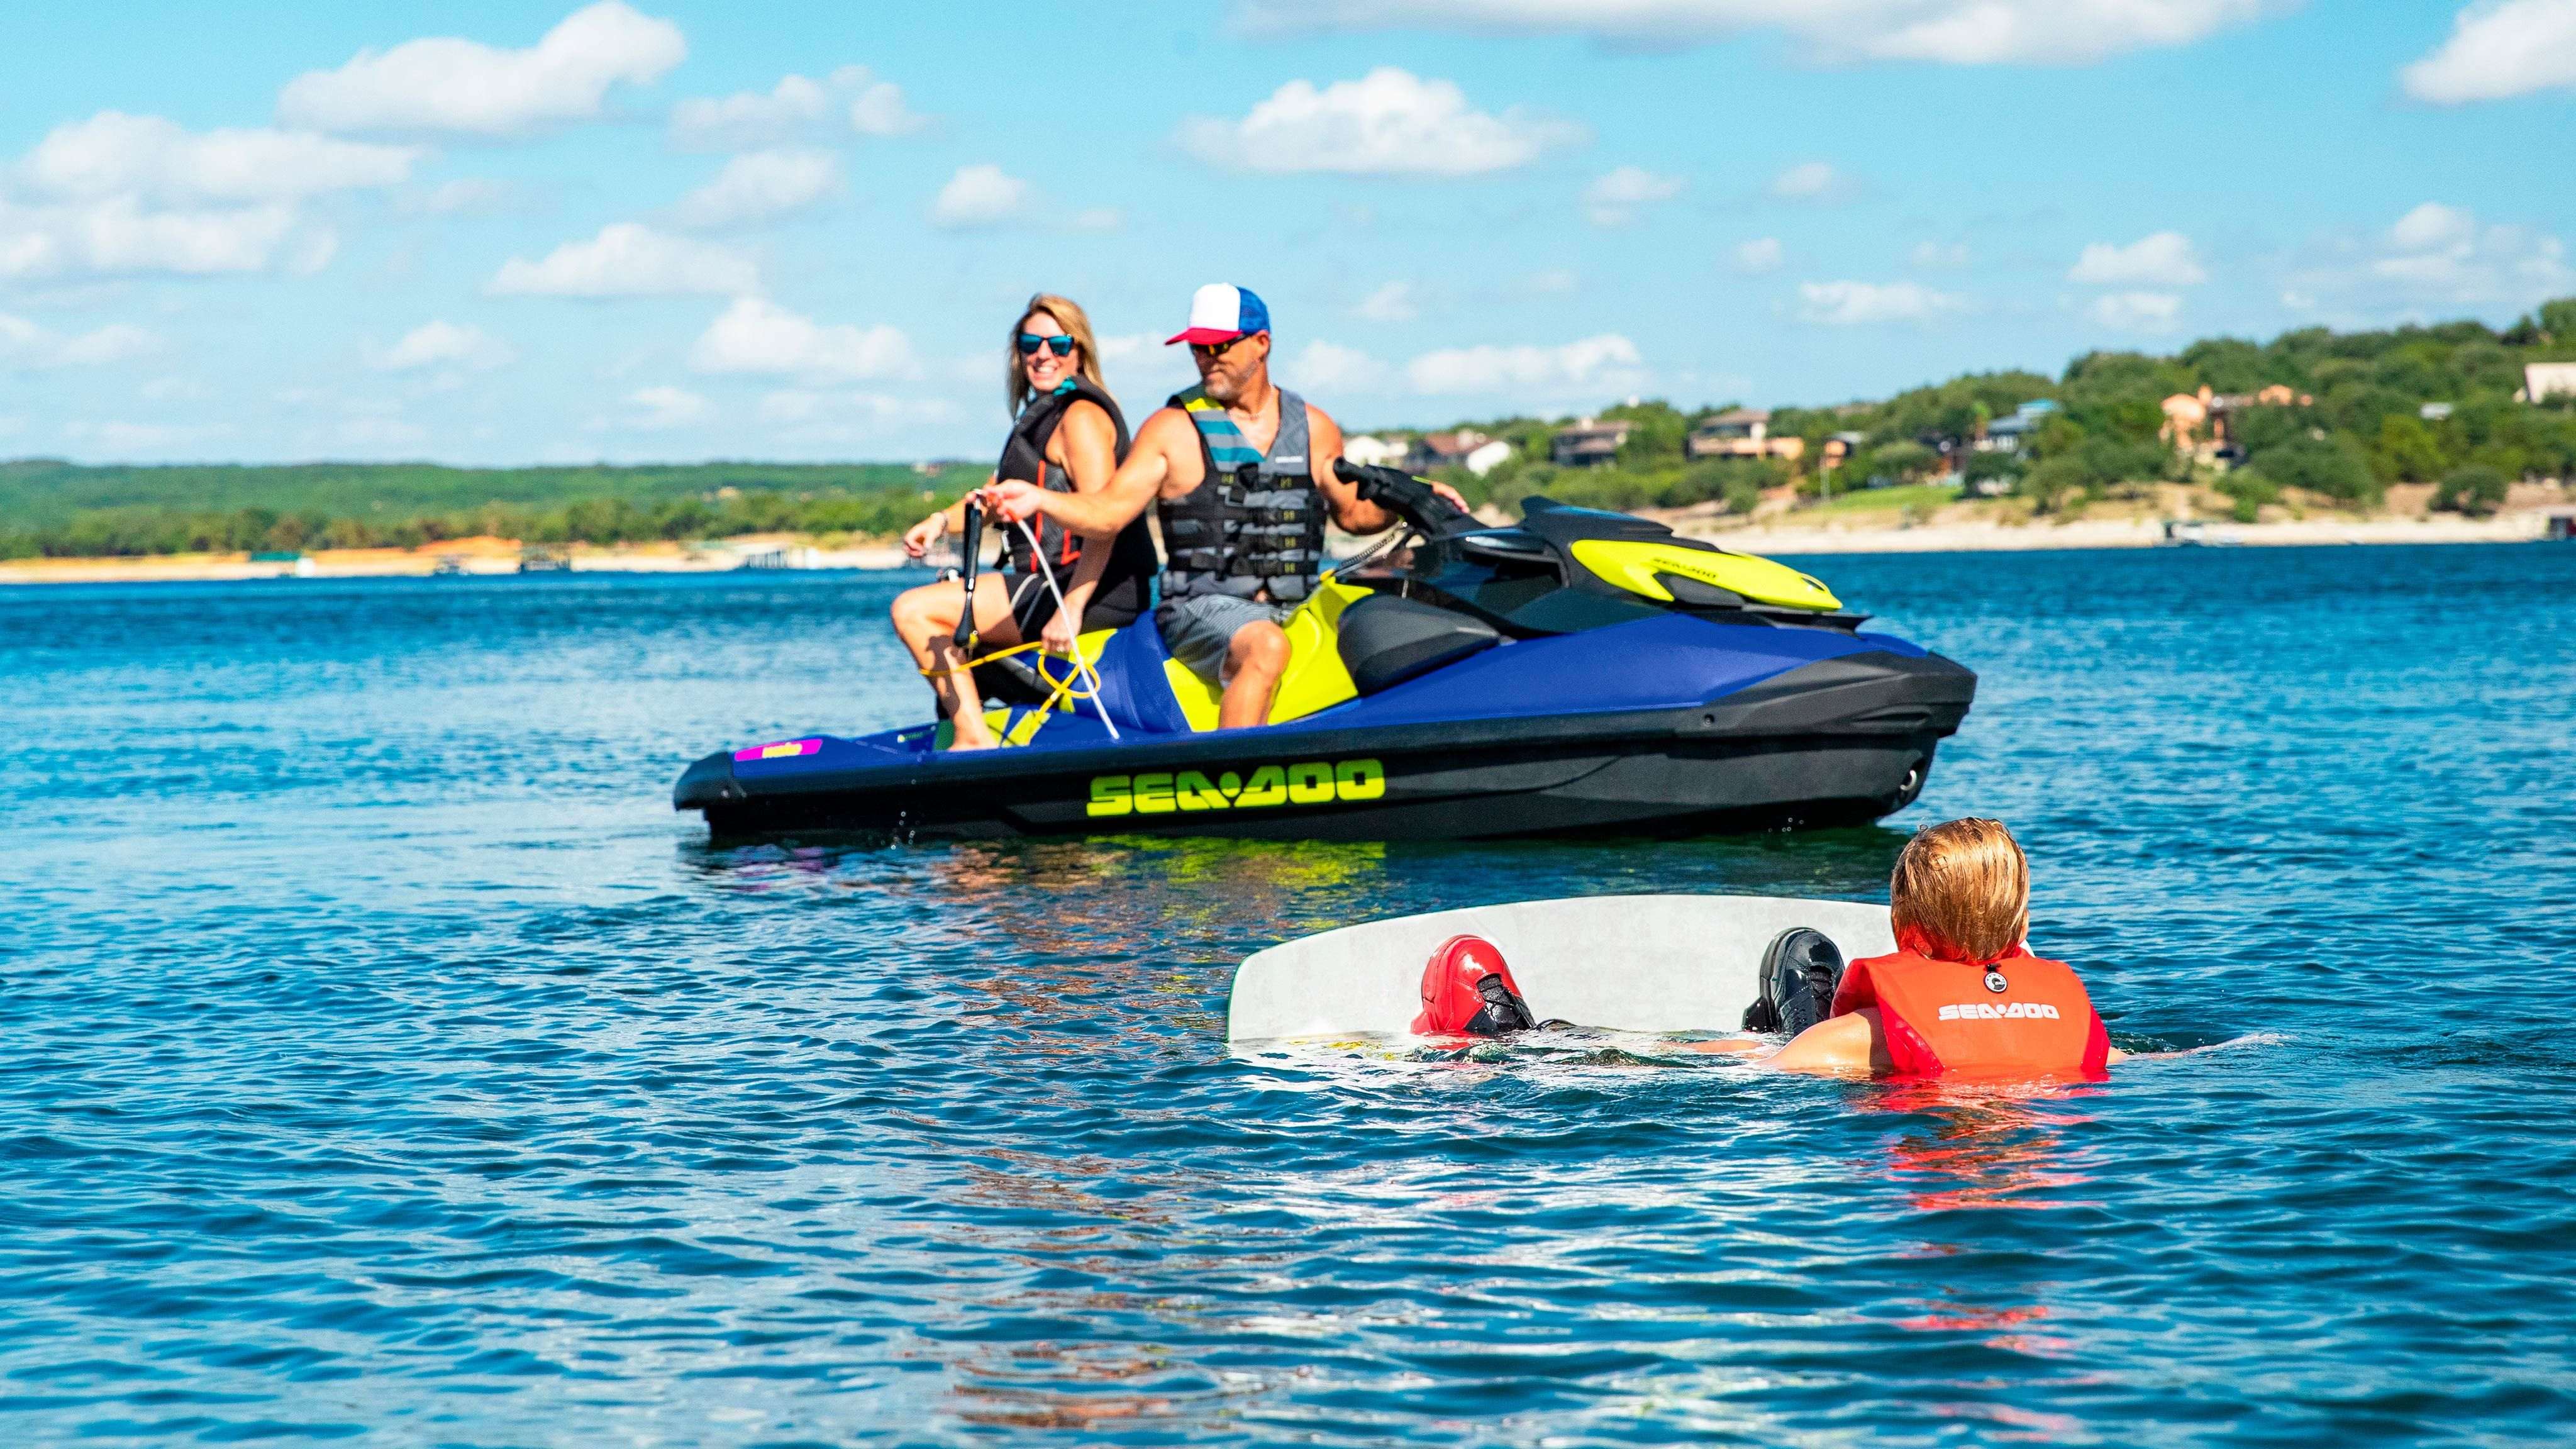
1960, 996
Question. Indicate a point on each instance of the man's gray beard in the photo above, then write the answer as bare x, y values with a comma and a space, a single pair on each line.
1225, 398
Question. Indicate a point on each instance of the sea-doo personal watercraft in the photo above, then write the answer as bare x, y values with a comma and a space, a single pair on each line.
1581, 671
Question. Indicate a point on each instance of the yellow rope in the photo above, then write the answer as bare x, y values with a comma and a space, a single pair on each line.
984, 659
1063, 691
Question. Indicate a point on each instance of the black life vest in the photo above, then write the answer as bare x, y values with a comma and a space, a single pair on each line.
1024, 459
1256, 520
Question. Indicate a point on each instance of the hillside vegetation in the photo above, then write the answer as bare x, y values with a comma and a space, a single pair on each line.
2362, 429
66, 509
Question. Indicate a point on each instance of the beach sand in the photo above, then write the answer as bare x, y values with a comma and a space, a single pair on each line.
1957, 528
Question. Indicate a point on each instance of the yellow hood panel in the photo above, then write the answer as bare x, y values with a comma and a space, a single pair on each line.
1632, 565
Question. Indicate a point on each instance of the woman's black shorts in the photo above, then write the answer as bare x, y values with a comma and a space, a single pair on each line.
1114, 605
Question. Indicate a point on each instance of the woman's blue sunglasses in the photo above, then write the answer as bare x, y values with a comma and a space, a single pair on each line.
1060, 344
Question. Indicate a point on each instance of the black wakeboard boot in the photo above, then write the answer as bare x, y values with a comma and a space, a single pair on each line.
1800, 973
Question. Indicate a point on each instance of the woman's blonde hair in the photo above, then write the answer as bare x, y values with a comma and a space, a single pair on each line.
1963, 888
1077, 325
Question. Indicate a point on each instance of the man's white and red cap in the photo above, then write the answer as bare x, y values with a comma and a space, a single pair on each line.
1222, 312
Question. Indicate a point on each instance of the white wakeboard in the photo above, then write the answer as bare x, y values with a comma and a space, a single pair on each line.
1627, 963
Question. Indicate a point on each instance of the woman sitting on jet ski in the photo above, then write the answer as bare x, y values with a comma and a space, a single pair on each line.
1067, 435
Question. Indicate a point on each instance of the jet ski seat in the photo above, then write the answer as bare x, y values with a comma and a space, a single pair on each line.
1144, 690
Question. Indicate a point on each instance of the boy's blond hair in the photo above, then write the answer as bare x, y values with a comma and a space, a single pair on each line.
1963, 887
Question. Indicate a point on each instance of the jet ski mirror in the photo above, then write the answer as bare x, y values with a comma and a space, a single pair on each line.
1405, 496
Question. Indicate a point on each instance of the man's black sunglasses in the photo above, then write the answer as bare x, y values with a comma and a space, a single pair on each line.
1060, 344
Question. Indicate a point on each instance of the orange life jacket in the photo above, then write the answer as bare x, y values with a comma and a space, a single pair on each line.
1945, 1018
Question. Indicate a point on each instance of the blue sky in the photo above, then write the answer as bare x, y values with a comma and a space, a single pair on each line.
505, 233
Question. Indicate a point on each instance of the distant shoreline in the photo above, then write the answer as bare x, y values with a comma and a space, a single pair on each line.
1859, 532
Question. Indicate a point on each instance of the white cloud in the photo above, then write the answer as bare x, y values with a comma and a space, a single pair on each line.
1811, 181
1387, 123
2138, 311
979, 195
465, 87
442, 343
879, 110
1390, 303
629, 260
1953, 32
2433, 227
849, 416
761, 186
1762, 254
1615, 197
1552, 282
756, 335
153, 159
797, 111
2442, 253
119, 234
2497, 51
1857, 304
122, 193
27, 347
467, 196
2165, 259
1327, 367
1606, 361
666, 407
1933, 256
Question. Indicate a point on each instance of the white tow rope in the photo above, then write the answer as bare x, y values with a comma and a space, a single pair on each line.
1082, 667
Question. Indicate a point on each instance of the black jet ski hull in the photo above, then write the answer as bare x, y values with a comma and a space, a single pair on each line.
1837, 742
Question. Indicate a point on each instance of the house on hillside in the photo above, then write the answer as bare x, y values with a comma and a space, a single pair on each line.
1442, 450
1590, 443
1741, 433
1487, 458
2542, 381
2201, 423
1373, 452
2013, 434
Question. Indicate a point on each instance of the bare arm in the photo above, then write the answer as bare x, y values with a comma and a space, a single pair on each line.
1129, 491
1085, 446
1351, 513
1854, 1044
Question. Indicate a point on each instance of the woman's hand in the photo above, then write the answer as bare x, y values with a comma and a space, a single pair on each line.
918, 538
1013, 502
1063, 632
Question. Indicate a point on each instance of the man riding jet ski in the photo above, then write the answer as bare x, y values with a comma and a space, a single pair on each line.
1580, 671
1240, 473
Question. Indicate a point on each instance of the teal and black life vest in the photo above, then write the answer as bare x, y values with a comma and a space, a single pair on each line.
1024, 459
1257, 521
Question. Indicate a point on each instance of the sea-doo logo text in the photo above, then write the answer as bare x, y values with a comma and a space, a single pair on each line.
2009, 1011
1159, 792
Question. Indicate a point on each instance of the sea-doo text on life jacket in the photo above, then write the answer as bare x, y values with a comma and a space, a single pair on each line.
1256, 521
2021, 1016
1467, 990
1024, 460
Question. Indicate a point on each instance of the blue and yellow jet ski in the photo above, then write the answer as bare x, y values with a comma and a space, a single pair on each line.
1580, 671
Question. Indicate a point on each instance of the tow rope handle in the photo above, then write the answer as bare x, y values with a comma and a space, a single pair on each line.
971, 546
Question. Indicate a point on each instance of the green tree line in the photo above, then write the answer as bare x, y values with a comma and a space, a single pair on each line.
2362, 428
65, 510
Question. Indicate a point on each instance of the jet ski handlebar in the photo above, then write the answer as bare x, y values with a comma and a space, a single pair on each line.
1403, 495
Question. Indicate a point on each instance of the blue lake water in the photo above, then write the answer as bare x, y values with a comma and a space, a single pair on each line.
382, 1061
